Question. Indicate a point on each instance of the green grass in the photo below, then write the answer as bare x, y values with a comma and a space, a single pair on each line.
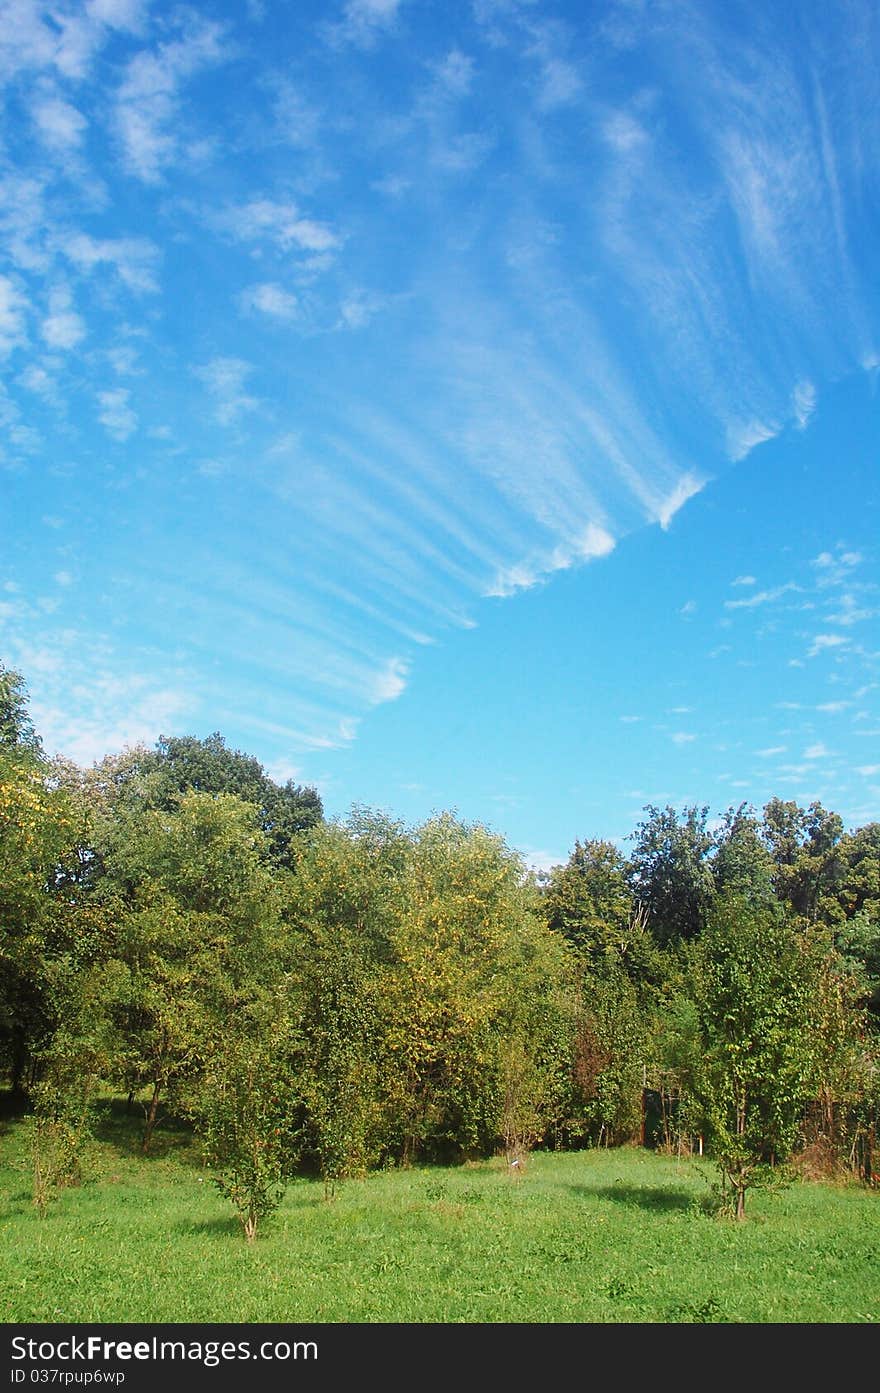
598, 1236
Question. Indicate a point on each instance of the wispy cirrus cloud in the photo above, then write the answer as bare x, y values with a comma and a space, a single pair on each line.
763, 597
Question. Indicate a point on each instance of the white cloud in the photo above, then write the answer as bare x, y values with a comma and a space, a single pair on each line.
850, 612
147, 101
803, 400
762, 597
742, 437
280, 223
744, 580
687, 486
624, 133
363, 21
822, 642
119, 14
282, 771
12, 310
271, 299
868, 771
116, 416
62, 328
559, 84
816, 751
390, 682
59, 125
835, 568
593, 542
537, 860
37, 380
133, 258
455, 73
771, 751
682, 737
225, 379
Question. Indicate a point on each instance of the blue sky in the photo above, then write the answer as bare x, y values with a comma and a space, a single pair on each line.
456, 404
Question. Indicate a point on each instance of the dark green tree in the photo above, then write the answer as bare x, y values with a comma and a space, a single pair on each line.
804, 846
670, 871
742, 865
181, 764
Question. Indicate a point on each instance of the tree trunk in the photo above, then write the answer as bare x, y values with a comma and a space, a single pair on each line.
740, 1201
151, 1116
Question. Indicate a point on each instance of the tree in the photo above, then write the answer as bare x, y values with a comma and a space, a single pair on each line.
180, 764
670, 871
854, 887
742, 865
198, 910
246, 1112
341, 909
588, 900
16, 727
40, 832
754, 985
806, 859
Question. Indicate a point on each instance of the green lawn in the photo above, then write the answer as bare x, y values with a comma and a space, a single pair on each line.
597, 1236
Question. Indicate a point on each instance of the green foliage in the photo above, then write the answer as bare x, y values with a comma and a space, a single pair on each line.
612, 1049
858, 942
170, 907
670, 872
742, 865
588, 899
420, 965
804, 845
245, 1109
755, 985
159, 778
16, 727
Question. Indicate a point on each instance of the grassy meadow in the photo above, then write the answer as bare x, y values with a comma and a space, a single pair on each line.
595, 1236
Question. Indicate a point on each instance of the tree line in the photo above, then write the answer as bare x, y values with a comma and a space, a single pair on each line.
338, 995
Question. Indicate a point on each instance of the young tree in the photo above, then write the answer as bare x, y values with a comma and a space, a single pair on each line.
246, 1111
755, 988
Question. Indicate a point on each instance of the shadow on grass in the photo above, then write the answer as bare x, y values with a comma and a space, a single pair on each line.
196, 1228
660, 1199
123, 1130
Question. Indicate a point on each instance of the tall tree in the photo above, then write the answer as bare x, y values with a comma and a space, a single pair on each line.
803, 843
588, 900
180, 764
670, 871
742, 865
